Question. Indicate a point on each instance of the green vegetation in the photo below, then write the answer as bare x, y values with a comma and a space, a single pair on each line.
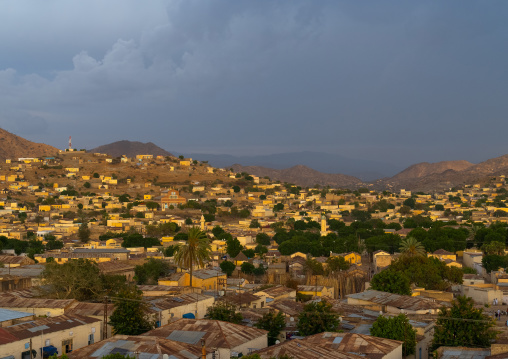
195, 251
224, 311
317, 317
273, 323
392, 282
129, 316
463, 325
397, 328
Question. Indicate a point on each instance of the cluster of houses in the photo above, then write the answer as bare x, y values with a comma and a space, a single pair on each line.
48, 190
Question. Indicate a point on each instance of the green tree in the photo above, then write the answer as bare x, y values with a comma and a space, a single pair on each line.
392, 282
195, 252
272, 322
129, 316
336, 264
314, 267
233, 247
317, 317
254, 224
494, 247
463, 325
227, 267
151, 271
263, 238
84, 232
247, 268
224, 311
397, 328
492, 262
411, 247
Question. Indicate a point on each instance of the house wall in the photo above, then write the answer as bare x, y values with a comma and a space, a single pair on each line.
79, 338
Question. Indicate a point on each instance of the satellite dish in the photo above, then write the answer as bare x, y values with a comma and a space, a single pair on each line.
291, 319
277, 342
165, 356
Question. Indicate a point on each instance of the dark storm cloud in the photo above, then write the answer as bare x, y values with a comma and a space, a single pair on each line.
398, 80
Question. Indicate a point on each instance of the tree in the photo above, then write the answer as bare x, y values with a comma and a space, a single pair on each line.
84, 232
463, 325
397, 328
336, 264
317, 317
247, 268
195, 251
151, 271
392, 282
254, 224
494, 247
274, 323
314, 267
263, 238
224, 311
79, 279
228, 267
411, 247
129, 316
492, 262
233, 247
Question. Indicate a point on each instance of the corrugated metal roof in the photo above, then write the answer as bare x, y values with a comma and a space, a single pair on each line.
398, 301
186, 336
6, 314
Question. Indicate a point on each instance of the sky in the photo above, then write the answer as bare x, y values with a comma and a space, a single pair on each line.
395, 81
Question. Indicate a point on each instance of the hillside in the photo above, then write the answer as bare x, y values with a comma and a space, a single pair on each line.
12, 146
130, 149
302, 176
444, 175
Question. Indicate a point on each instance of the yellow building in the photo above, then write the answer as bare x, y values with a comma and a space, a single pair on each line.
206, 279
351, 257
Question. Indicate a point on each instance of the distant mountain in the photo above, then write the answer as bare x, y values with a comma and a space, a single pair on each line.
12, 146
324, 162
302, 176
130, 149
443, 175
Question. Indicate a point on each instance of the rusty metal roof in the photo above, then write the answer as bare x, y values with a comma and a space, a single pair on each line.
47, 325
217, 334
367, 345
17, 302
398, 301
147, 347
287, 307
300, 349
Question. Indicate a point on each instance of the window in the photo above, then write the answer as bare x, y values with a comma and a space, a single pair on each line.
47, 342
67, 345
90, 339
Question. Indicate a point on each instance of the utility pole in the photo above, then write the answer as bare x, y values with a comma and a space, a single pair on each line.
105, 321
31, 355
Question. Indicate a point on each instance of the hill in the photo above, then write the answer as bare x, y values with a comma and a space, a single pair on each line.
302, 176
12, 146
443, 175
329, 163
130, 149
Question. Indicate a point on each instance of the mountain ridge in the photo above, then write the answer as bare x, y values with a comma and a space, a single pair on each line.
14, 146
130, 149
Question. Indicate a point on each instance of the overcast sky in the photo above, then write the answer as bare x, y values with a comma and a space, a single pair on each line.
399, 81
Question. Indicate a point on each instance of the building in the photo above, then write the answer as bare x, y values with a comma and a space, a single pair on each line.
227, 339
52, 335
140, 347
172, 198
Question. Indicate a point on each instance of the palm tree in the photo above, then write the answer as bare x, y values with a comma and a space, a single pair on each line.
410, 247
195, 251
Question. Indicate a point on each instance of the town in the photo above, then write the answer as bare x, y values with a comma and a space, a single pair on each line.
162, 256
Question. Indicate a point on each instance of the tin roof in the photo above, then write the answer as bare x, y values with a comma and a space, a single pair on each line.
146, 347
34, 328
17, 302
398, 301
301, 349
217, 334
